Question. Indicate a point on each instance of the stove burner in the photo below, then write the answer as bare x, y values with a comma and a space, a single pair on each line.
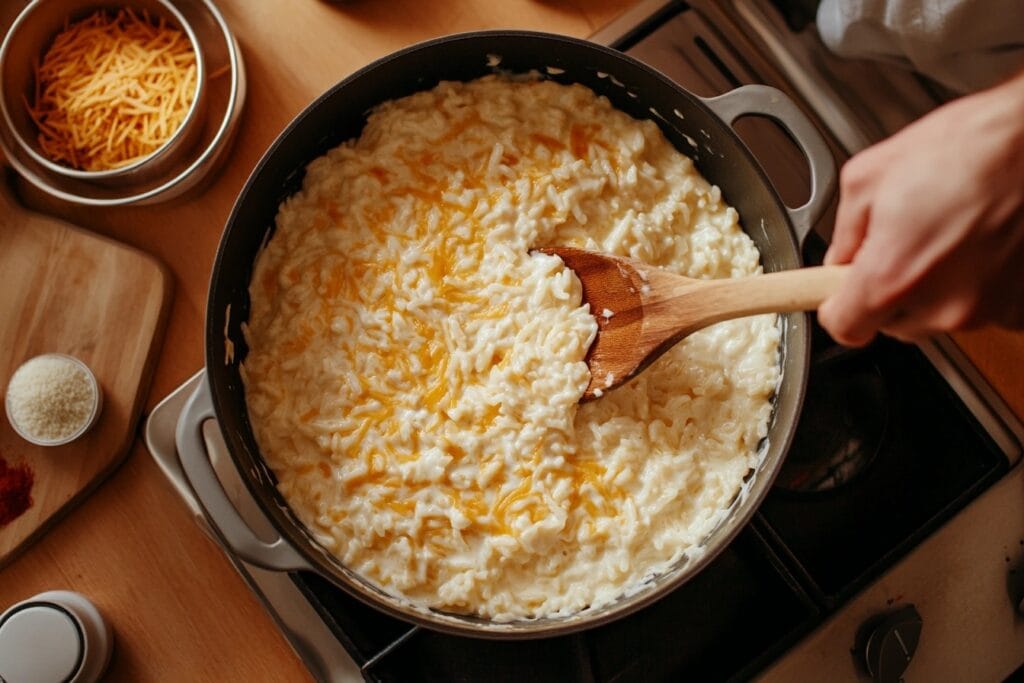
841, 427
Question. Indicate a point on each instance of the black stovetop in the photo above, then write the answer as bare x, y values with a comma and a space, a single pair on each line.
731, 619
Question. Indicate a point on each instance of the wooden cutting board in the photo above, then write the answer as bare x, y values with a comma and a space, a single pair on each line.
65, 290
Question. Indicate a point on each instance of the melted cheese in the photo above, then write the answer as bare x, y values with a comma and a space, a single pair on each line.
414, 371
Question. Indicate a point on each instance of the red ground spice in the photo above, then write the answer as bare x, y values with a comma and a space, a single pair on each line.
15, 491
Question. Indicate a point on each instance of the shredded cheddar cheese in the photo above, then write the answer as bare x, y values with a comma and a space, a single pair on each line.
112, 89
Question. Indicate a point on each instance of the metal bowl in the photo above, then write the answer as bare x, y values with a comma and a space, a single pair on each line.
26, 42
225, 85
339, 115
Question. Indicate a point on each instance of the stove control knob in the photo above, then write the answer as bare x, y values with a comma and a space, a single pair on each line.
891, 640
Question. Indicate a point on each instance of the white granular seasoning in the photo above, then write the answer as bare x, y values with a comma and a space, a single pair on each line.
50, 397
414, 371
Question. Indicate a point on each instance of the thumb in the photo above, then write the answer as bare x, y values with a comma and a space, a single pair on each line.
847, 316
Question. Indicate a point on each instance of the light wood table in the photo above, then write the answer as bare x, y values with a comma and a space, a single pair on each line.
179, 610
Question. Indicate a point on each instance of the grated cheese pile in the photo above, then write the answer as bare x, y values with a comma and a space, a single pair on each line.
112, 89
50, 398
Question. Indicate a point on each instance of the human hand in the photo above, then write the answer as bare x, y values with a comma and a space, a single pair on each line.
932, 221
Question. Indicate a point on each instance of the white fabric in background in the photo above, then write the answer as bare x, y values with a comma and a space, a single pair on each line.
965, 45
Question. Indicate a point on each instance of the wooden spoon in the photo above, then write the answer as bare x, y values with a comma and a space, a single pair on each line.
642, 311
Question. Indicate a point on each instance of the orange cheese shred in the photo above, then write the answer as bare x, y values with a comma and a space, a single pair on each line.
112, 89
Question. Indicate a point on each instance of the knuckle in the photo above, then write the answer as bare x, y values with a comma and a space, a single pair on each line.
882, 291
844, 320
854, 174
830, 319
886, 282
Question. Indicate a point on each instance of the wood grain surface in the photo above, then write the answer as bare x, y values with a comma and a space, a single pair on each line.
178, 609
68, 291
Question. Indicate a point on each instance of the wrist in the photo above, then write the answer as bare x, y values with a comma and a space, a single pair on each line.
1003, 107
1014, 89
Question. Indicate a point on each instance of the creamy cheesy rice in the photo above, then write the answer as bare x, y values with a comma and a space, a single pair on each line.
413, 371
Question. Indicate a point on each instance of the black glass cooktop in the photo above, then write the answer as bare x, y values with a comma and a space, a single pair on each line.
732, 619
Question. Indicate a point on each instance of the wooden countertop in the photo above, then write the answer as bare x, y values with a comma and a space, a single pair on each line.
179, 610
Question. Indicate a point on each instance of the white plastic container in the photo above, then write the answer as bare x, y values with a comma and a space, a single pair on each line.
54, 636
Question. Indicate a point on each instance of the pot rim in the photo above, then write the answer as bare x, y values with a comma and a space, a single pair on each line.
796, 340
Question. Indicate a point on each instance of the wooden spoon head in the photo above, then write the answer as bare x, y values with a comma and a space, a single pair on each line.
613, 287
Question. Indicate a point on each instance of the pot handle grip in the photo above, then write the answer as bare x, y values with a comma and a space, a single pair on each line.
220, 512
763, 100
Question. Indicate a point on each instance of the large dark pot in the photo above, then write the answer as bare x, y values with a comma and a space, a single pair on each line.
697, 126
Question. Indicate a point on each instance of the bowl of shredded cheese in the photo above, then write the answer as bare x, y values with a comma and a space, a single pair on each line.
102, 92
53, 399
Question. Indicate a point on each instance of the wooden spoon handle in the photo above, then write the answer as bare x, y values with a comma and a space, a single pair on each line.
801, 289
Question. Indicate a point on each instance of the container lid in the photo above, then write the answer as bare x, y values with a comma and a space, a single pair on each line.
40, 642
55, 636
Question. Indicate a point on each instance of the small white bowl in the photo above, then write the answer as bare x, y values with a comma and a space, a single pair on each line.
86, 426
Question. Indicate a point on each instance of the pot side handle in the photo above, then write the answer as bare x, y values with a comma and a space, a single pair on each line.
763, 100
233, 531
